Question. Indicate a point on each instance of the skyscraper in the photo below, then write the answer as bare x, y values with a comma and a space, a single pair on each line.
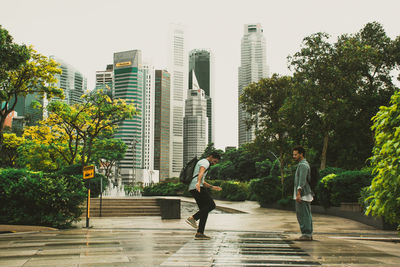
162, 124
195, 124
105, 80
128, 79
71, 81
176, 67
148, 116
253, 68
201, 64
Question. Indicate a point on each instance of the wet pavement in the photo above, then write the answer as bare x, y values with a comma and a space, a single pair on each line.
260, 237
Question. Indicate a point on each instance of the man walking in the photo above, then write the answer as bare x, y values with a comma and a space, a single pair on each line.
302, 194
198, 190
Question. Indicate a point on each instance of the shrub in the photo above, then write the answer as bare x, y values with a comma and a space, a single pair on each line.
95, 183
286, 202
330, 170
267, 190
37, 198
342, 187
234, 191
164, 189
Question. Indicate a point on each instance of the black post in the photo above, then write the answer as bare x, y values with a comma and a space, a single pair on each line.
88, 208
101, 193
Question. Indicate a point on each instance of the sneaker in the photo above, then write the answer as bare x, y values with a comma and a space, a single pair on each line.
304, 238
200, 236
192, 222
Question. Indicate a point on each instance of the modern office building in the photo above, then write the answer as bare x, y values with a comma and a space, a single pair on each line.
253, 67
25, 108
177, 68
148, 117
162, 124
195, 124
201, 63
128, 85
71, 81
105, 80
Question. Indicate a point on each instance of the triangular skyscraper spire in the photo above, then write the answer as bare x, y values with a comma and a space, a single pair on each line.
195, 83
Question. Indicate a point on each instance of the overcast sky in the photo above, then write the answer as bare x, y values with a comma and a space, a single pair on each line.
86, 33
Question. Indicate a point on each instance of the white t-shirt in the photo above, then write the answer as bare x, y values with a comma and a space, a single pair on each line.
201, 163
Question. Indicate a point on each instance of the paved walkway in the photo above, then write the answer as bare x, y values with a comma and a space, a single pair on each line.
260, 237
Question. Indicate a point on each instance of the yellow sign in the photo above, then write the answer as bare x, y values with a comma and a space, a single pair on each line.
88, 172
123, 64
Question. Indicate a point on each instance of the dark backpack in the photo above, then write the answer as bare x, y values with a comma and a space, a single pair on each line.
186, 175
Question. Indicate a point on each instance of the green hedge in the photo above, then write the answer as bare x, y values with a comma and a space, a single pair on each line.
165, 189
231, 190
76, 170
267, 190
36, 198
342, 187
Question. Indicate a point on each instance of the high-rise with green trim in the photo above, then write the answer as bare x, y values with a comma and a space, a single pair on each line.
128, 85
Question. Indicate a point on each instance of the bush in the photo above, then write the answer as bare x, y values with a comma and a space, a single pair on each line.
266, 190
330, 170
95, 183
234, 191
164, 189
286, 202
36, 198
342, 187
231, 190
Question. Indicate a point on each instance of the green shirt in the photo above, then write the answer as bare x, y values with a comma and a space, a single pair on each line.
302, 179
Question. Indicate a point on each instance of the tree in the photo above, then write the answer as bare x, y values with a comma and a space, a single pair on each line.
319, 87
49, 146
12, 55
11, 142
341, 85
384, 191
106, 152
34, 76
263, 102
369, 58
209, 149
83, 123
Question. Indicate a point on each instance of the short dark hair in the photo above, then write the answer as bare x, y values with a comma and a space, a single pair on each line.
215, 155
300, 149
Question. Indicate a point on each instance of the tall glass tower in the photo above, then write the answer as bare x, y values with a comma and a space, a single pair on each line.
195, 124
128, 85
162, 123
201, 64
177, 68
148, 116
71, 81
253, 67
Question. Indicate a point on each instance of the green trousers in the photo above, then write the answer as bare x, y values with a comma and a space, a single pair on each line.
304, 217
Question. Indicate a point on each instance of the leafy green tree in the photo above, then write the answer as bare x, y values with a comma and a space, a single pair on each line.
106, 152
318, 88
34, 76
48, 147
12, 55
11, 142
339, 86
83, 123
369, 58
384, 191
209, 149
263, 101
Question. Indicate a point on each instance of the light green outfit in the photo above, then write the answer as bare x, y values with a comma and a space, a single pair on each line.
303, 209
